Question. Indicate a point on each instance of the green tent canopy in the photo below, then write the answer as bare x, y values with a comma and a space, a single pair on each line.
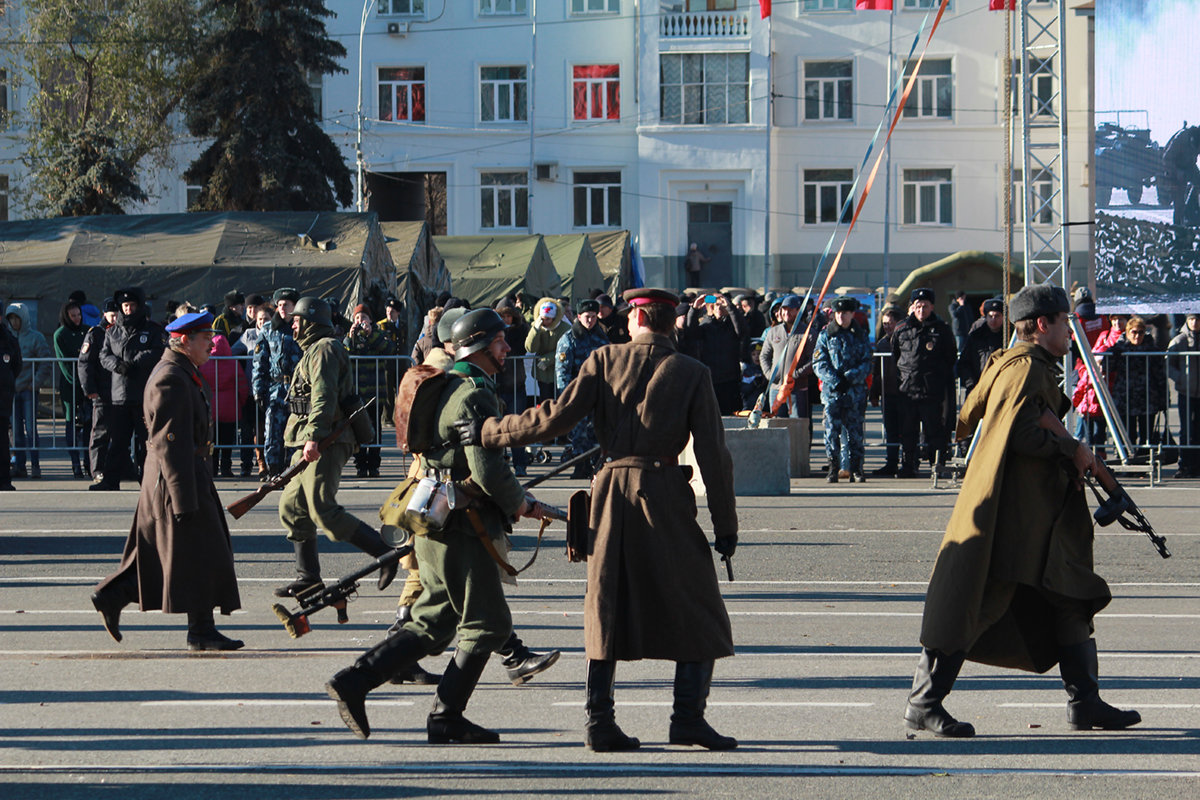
484, 269
615, 259
576, 264
421, 274
979, 273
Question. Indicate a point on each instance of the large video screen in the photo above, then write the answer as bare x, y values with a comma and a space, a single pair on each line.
1147, 141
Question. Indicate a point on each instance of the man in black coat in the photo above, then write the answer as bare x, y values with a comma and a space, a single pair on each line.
718, 329
97, 387
10, 365
923, 347
131, 348
986, 337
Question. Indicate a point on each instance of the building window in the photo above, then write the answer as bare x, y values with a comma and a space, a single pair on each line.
597, 199
490, 7
405, 7
825, 194
502, 94
674, 6
910, 5
927, 197
1041, 92
1043, 190
828, 90
933, 93
3, 198
402, 94
595, 6
704, 88
192, 195
827, 5
597, 91
316, 85
504, 200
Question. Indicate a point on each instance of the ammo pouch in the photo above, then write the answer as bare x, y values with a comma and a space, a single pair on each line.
300, 406
579, 509
362, 425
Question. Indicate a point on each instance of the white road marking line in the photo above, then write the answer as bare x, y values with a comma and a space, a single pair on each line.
327, 701
1060, 705
124, 655
711, 703
882, 584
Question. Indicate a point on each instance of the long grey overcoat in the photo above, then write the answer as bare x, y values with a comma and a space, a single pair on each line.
652, 587
181, 565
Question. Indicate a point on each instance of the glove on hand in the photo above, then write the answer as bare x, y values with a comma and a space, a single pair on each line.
469, 432
843, 384
123, 368
725, 545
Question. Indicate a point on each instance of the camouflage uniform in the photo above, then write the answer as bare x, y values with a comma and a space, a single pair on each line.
572, 350
275, 358
842, 360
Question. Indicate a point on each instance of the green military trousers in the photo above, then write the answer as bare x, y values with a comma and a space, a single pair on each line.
461, 593
310, 500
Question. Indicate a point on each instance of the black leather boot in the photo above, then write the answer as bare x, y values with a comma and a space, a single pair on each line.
521, 662
203, 634
601, 734
935, 676
308, 570
831, 472
446, 723
370, 542
112, 598
908, 466
857, 475
350, 686
1080, 668
688, 726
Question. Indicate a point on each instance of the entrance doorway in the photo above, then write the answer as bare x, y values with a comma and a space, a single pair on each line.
409, 197
710, 226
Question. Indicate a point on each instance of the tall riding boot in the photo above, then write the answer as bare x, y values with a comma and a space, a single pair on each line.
935, 676
113, 597
601, 735
1080, 669
521, 662
370, 542
412, 674
203, 634
350, 686
446, 723
688, 726
308, 570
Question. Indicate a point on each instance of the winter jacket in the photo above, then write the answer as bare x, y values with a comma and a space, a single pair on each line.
369, 370
982, 341
93, 378
542, 341
131, 349
68, 340
842, 360
33, 345
1185, 370
886, 380
719, 342
10, 365
276, 355
227, 384
573, 349
925, 354
1139, 381
1084, 398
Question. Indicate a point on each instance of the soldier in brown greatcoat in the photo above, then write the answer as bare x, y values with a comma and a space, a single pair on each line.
178, 557
651, 587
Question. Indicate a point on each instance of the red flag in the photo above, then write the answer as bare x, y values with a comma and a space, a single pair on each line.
1002, 5
764, 7
873, 5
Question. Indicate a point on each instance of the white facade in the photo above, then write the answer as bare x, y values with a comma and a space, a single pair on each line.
671, 142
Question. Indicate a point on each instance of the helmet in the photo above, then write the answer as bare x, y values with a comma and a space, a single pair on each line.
314, 310
474, 331
445, 325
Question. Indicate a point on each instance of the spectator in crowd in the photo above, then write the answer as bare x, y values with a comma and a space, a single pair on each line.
1185, 371
842, 360
341, 325
91, 314
253, 301
33, 376
584, 338
1091, 427
428, 339
228, 389
923, 347
717, 330
756, 323
1139, 382
885, 389
614, 323
253, 414
961, 319
542, 342
10, 366
511, 380
96, 383
275, 359
985, 337
1085, 308
369, 369
68, 340
393, 327
232, 322
693, 262
131, 349
753, 382
779, 349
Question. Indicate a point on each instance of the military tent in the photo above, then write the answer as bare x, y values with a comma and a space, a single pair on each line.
484, 269
576, 264
195, 257
421, 274
980, 274
615, 259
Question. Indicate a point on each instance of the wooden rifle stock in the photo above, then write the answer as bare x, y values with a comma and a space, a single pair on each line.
239, 508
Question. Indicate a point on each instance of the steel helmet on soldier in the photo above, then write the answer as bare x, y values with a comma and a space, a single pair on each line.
314, 310
474, 331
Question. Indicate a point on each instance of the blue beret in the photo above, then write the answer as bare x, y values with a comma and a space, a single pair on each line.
197, 322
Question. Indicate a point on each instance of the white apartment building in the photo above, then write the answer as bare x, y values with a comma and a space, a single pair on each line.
557, 116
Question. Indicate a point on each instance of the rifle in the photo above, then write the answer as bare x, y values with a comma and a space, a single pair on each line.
1119, 506
240, 508
336, 595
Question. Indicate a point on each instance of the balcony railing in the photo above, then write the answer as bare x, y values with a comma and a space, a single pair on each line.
705, 24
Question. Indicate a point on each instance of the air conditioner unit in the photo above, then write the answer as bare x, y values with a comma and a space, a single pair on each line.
546, 170
397, 29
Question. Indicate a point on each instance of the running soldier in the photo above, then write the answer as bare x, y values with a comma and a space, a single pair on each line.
842, 360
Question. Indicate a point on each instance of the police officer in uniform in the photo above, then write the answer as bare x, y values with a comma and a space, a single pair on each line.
322, 382
924, 351
985, 337
842, 360
462, 592
10, 365
275, 357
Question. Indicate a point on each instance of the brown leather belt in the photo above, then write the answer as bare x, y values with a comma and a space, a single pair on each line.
639, 462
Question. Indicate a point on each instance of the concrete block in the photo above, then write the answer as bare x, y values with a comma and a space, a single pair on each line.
799, 444
760, 461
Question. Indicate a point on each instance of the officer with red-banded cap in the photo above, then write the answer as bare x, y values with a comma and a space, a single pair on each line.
651, 587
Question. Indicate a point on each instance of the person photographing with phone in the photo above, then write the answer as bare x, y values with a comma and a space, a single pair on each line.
718, 331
